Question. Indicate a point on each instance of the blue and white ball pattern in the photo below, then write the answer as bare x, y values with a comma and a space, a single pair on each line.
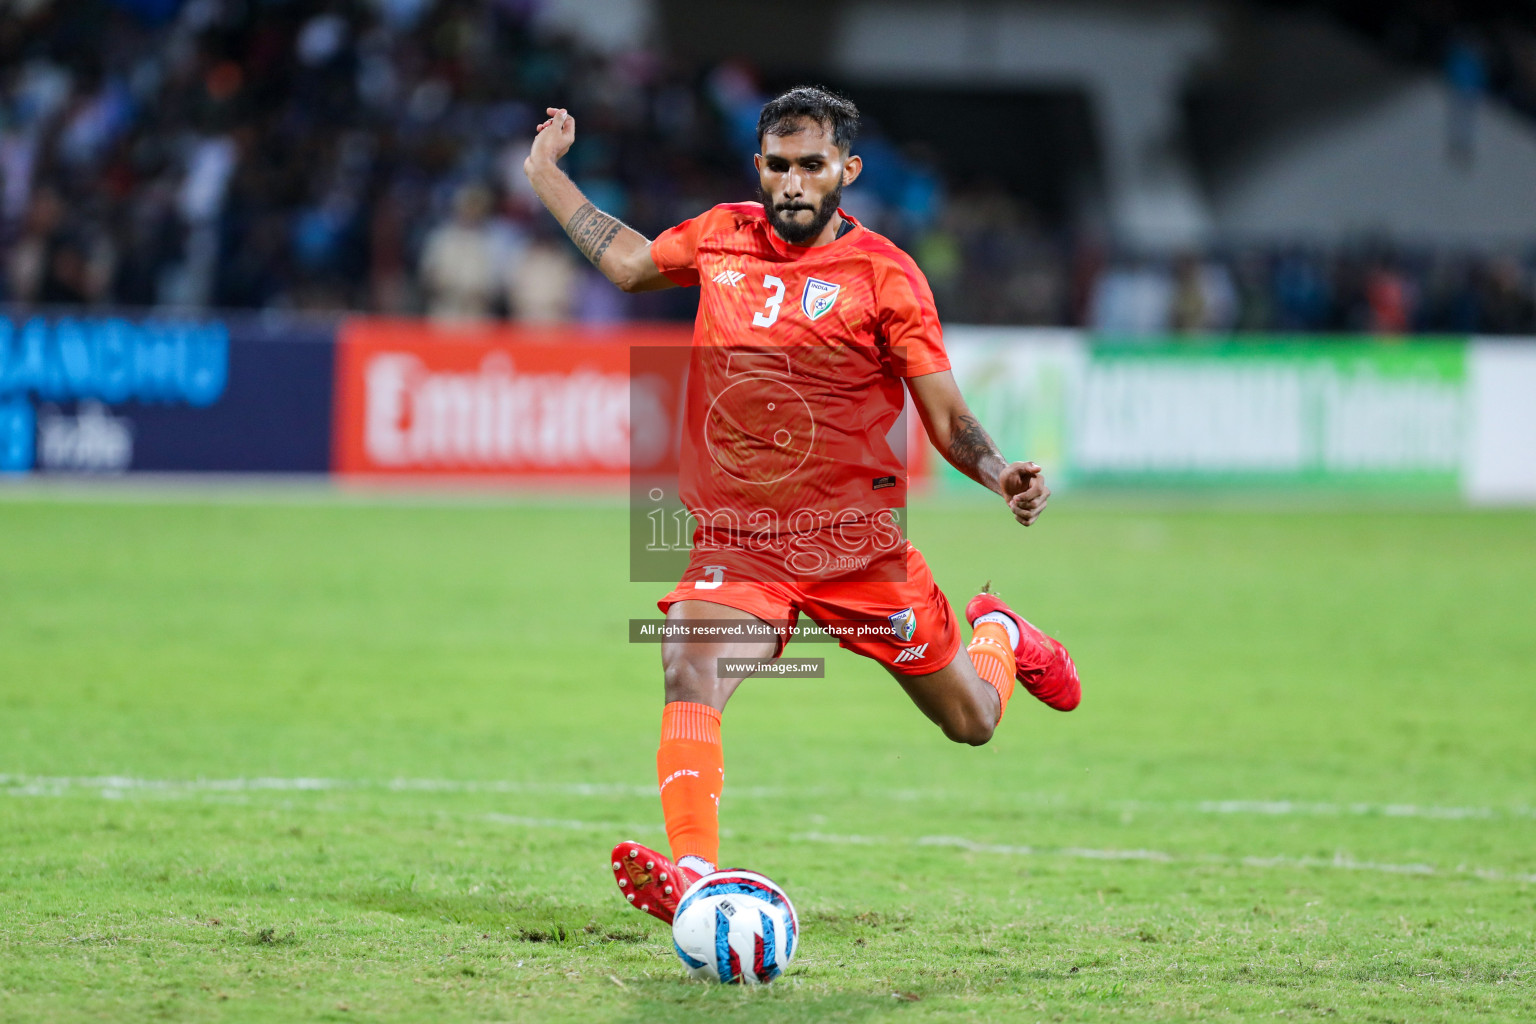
735, 927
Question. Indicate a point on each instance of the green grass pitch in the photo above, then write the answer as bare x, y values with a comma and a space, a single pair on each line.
343, 760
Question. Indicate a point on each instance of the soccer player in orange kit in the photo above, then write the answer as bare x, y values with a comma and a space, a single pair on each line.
853, 321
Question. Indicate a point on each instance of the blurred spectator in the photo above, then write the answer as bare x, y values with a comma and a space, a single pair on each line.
1389, 299
1508, 305
1133, 298
463, 260
1466, 73
1205, 298
31, 254
543, 288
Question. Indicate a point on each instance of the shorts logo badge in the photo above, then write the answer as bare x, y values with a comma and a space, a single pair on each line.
903, 624
911, 654
818, 298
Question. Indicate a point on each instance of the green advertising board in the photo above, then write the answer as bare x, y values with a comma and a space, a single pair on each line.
1307, 412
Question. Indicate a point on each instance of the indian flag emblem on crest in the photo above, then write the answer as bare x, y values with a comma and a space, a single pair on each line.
903, 624
818, 298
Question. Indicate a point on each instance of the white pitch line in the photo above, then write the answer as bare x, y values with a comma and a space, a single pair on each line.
1341, 861
37, 785
121, 785
116, 786
1289, 807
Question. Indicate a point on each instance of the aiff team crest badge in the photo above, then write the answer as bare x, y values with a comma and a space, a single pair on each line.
903, 624
818, 298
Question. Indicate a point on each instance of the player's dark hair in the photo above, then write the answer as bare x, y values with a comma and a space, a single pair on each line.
782, 114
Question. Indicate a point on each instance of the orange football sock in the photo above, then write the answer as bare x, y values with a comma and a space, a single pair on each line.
691, 769
993, 659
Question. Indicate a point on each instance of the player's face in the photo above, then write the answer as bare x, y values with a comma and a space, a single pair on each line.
802, 177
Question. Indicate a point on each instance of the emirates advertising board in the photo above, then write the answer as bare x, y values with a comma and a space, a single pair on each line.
490, 402
1345, 413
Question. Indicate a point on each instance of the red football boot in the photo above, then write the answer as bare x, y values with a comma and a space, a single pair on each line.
1044, 666
650, 881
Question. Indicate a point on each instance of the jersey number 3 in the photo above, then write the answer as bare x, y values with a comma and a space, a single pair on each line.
770, 312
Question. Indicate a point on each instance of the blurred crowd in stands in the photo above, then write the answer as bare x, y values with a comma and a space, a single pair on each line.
366, 154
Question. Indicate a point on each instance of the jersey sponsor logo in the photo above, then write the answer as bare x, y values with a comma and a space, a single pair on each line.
911, 654
730, 277
903, 624
818, 298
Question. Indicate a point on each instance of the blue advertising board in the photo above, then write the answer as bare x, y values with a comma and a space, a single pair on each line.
115, 394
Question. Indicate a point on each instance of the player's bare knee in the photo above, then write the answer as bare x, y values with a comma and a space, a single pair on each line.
683, 680
974, 725
691, 678
973, 731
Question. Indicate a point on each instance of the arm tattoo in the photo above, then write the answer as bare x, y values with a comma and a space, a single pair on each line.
970, 445
592, 230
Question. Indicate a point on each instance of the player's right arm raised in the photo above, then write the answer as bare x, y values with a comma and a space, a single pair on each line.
620, 252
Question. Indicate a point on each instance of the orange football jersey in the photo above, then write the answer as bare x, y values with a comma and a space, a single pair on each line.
796, 377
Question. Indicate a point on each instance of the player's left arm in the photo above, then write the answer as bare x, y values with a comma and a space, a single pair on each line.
961, 439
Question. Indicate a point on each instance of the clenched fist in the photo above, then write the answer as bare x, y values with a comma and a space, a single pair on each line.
1023, 485
552, 140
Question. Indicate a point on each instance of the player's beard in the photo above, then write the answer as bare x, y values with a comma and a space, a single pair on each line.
795, 232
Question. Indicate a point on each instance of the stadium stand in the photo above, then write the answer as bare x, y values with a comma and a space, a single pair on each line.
355, 155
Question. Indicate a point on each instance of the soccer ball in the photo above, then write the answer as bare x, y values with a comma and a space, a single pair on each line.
735, 926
